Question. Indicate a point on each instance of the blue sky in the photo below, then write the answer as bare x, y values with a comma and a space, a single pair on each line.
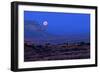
61, 24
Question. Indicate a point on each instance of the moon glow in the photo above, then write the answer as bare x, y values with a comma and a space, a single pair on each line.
45, 23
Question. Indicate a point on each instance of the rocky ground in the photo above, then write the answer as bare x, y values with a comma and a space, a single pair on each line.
55, 52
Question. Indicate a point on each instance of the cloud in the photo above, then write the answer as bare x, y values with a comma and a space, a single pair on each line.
34, 26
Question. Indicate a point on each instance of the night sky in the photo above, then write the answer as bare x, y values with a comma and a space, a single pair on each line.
69, 26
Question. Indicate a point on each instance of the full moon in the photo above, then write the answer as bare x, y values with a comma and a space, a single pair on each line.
45, 23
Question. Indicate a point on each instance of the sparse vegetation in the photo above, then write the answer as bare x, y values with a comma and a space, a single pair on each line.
33, 52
